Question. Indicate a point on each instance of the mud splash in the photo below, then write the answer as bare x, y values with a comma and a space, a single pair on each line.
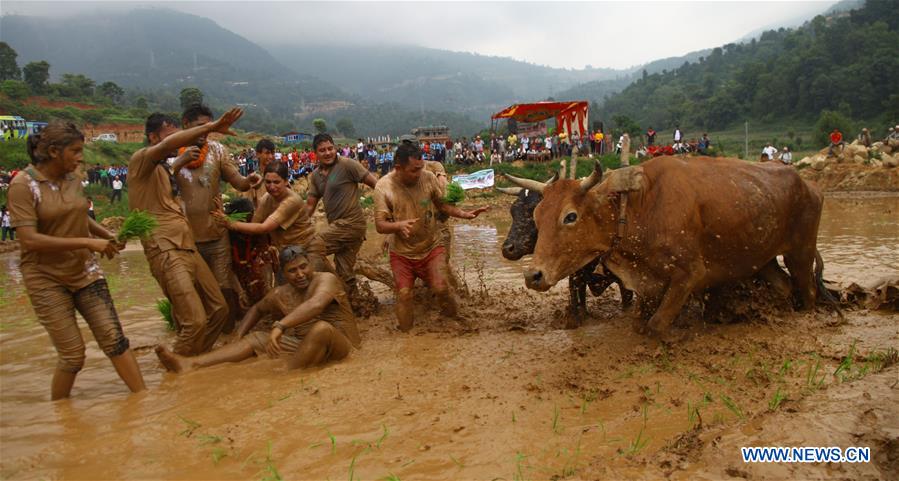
514, 398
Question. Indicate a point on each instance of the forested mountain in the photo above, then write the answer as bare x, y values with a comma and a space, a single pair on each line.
845, 62
420, 77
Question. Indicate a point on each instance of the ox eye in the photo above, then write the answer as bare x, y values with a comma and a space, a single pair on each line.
570, 218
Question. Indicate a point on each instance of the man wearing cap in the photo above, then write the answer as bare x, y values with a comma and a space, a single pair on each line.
336, 182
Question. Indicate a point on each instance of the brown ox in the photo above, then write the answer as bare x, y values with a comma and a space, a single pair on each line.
676, 226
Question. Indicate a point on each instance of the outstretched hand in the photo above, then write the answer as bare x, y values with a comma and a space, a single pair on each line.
224, 123
474, 213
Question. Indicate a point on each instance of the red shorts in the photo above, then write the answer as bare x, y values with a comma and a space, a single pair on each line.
429, 269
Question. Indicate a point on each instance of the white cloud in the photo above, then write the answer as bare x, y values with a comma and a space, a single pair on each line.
570, 35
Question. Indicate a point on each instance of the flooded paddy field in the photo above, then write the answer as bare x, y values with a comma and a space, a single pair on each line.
506, 394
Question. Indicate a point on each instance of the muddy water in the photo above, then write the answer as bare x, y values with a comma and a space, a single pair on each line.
517, 399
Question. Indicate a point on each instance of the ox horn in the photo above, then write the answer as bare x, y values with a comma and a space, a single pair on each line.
509, 190
562, 173
589, 182
527, 183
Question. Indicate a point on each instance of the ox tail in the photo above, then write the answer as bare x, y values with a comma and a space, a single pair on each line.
823, 292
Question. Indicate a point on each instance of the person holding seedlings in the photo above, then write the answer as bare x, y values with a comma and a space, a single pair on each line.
315, 322
282, 215
407, 202
198, 306
199, 183
58, 242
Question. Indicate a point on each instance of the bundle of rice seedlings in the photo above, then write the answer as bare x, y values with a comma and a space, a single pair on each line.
238, 216
454, 193
138, 225
165, 308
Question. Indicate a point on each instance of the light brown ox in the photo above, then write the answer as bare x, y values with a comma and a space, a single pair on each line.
688, 224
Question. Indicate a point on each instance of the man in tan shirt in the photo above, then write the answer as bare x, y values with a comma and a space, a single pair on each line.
336, 181
199, 184
198, 306
407, 202
265, 153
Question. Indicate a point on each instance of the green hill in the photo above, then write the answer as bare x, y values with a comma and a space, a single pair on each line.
846, 62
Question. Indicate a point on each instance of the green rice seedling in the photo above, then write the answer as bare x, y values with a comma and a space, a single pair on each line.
881, 360
812, 380
458, 463
513, 417
238, 216
270, 470
218, 454
165, 309
191, 426
138, 225
352, 470
777, 398
384, 435
731, 405
785, 368
638, 443
390, 477
333, 442
518, 475
314, 445
209, 439
693, 415
454, 193
557, 428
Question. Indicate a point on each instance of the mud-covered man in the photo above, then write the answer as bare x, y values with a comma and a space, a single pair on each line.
199, 183
197, 302
316, 324
407, 203
336, 182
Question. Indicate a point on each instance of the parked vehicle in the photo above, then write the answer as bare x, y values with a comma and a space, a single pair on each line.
106, 138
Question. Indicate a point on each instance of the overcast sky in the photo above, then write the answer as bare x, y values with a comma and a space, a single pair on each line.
570, 35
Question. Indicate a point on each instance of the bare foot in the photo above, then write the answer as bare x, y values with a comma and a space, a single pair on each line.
171, 361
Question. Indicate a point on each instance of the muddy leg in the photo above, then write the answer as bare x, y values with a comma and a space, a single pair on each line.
447, 300
404, 309
323, 343
126, 366
680, 286
61, 386
234, 352
627, 296
779, 280
800, 265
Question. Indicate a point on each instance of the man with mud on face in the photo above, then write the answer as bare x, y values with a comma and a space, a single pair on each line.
265, 153
198, 306
199, 184
407, 202
316, 322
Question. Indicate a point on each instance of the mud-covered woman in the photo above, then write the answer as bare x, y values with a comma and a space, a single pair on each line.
315, 323
61, 274
282, 215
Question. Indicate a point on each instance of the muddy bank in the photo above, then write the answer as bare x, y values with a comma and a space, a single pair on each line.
503, 394
853, 177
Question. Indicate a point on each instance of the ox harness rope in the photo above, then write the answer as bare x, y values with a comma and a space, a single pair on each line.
622, 226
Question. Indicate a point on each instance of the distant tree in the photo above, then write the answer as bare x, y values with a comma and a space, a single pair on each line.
36, 75
14, 89
78, 84
141, 103
345, 127
829, 120
320, 126
112, 91
190, 96
9, 69
623, 123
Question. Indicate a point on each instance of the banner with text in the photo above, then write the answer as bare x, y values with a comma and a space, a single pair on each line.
476, 180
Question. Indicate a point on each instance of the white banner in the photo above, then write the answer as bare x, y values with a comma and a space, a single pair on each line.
476, 180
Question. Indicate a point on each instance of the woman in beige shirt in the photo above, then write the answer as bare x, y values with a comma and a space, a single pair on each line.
58, 242
282, 215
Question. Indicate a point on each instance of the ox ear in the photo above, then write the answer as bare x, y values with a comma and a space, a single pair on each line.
510, 190
626, 179
590, 182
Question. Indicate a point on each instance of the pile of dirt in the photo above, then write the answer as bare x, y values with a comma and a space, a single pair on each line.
833, 176
877, 155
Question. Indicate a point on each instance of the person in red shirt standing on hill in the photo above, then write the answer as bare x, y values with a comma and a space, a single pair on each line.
836, 139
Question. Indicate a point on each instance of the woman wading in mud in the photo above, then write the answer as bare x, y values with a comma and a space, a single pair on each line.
58, 242
281, 214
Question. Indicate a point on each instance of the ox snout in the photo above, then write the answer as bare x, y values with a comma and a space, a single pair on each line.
535, 279
510, 252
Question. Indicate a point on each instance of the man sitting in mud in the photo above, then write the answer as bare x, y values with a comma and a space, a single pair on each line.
316, 323
407, 202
